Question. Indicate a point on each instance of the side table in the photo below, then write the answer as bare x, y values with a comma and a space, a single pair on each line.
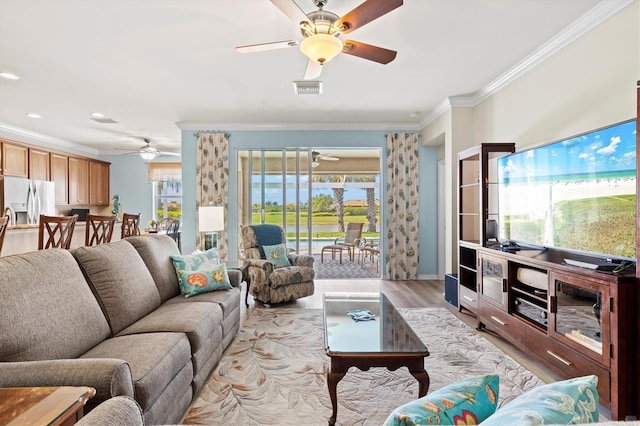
62, 405
244, 270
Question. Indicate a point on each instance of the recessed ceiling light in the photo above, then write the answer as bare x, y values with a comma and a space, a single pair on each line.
33, 115
9, 76
414, 114
97, 115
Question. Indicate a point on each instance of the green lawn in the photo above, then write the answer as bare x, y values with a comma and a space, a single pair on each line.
317, 219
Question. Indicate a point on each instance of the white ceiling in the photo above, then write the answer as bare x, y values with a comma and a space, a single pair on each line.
152, 64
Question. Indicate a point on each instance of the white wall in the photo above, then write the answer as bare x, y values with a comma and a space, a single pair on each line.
589, 84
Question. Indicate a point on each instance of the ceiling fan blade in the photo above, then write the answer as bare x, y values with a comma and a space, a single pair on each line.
365, 13
266, 46
292, 10
368, 51
313, 70
327, 158
169, 154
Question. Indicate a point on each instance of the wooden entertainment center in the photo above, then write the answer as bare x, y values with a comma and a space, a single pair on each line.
575, 320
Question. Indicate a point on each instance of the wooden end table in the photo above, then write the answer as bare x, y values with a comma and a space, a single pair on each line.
62, 405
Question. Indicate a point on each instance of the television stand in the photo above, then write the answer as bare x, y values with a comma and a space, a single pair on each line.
575, 320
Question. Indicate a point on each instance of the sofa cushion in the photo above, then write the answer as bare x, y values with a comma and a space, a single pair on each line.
193, 283
467, 402
276, 254
155, 251
227, 300
154, 358
196, 320
570, 401
291, 275
120, 279
48, 310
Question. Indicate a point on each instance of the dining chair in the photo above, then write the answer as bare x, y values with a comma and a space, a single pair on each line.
4, 222
164, 226
99, 229
130, 225
59, 231
174, 232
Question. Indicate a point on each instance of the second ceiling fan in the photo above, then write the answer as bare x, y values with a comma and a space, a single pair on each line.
321, 30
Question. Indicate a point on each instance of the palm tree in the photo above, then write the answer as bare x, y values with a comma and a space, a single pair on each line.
338, 195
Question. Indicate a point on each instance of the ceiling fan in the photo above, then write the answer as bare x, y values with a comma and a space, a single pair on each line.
316, 157
321, 30
148, 153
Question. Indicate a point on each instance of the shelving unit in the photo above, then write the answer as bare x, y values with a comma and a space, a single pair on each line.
575, 321
477, 202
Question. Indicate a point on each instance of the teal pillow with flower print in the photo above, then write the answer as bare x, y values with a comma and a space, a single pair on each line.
196, 260
572, 401
204, 280
277, 255
467, 402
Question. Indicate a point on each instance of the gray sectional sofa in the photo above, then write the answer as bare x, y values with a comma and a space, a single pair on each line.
112, 317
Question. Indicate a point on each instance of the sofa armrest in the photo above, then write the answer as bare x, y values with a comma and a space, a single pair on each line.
120, 410
301, 260
263, 264
235, 276
109, 377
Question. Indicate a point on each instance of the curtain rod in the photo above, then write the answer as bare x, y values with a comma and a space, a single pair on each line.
226, 134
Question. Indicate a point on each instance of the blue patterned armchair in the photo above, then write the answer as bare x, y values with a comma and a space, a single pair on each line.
275, 276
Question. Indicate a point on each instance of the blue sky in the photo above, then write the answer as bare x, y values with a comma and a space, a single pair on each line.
273, 191
605, 150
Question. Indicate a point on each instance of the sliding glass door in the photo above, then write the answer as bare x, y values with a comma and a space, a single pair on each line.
312, 194
275, 187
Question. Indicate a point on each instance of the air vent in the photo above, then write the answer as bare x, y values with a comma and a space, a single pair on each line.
307, 87
104, 120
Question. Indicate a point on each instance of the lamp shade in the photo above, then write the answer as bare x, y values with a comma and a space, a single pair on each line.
321, 47
210, 218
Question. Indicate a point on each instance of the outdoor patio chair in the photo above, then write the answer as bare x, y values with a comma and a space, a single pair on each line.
349, 242
273, 274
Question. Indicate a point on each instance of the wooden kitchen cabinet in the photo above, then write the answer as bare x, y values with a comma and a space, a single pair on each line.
15, 160
98, 183
78, 181
60, 175
39, 165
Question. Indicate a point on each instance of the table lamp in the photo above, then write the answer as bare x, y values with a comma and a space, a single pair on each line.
210, 222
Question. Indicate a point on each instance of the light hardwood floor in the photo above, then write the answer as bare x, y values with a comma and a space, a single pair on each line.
409, 294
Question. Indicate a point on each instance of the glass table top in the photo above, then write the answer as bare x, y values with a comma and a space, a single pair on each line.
387, 333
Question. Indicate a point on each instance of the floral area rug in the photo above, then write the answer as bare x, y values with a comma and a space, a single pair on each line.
274, 373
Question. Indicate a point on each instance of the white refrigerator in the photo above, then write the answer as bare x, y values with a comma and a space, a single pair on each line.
27, 199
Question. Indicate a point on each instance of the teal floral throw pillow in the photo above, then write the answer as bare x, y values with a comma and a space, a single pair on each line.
203, 280
196, 260
277, 255
570, 401
467, 402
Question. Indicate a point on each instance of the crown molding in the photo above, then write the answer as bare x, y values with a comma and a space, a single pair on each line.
45, 141
299, 126
587, 22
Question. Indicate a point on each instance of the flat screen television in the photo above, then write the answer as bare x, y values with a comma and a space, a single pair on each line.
576, 194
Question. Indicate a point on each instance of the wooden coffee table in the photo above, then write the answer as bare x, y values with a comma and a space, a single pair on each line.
62, 405
387, 341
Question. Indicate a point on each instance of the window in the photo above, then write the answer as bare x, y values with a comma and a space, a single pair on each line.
166, 179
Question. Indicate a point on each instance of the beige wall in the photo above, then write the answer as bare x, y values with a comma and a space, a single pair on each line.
589, 84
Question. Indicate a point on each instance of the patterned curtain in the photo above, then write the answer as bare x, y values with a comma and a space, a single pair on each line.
212, 179
401, 257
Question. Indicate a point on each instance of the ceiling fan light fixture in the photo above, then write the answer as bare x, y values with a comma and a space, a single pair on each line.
321, 48
148, 153
314, 164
